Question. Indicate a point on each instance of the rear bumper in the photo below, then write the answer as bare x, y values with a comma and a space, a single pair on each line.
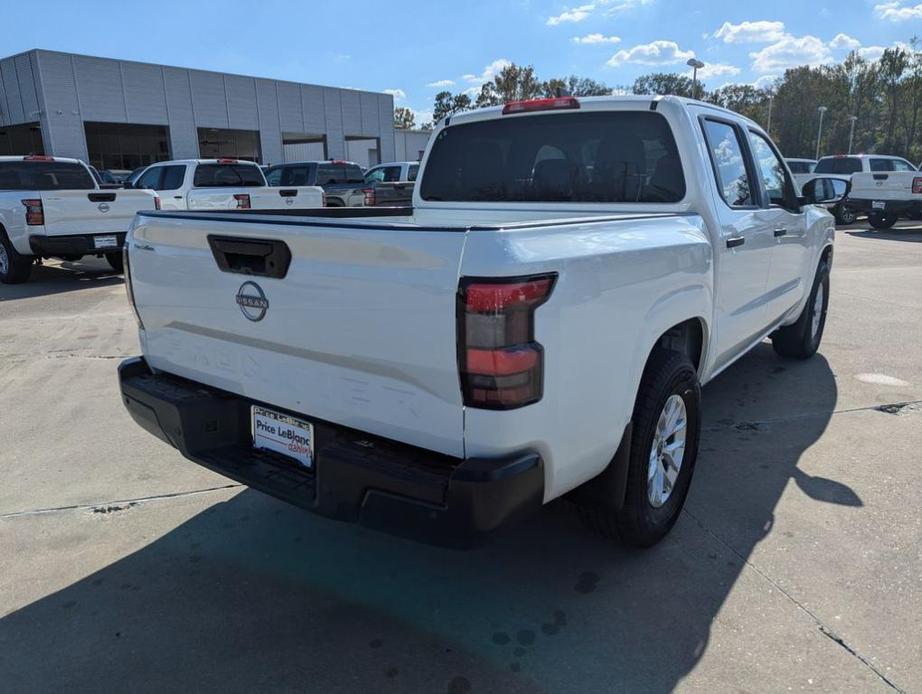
896, 207
74, 244
356, 477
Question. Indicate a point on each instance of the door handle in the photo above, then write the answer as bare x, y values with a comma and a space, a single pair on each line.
780, 232
177, 197
735, 241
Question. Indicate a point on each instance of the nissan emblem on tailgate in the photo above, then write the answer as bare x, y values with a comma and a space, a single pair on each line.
252, 301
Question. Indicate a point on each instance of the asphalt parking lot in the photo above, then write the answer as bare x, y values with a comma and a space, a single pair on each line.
797, 564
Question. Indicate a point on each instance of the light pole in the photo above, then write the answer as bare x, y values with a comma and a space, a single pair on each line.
819, 132
695, 65
771, 101
851, 133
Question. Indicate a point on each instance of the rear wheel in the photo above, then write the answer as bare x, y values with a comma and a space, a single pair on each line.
844, 215
664, 447
881, 220
116, 261
15, 268
801, 339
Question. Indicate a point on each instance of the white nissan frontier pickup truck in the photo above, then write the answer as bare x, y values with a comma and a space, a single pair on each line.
539, 323
53, 207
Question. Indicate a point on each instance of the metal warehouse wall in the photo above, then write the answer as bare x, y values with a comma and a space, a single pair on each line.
62, 90
409, 143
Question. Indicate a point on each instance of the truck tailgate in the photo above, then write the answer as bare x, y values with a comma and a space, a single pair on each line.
893, 185
259, 198
92, 211
360, 331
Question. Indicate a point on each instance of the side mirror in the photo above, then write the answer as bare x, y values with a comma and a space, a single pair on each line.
825, 190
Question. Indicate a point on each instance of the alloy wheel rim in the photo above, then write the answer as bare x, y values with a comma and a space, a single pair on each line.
668, 451
818, 310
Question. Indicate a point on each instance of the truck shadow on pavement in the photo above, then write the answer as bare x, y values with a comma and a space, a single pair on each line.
254, 595
61, 277
912, 234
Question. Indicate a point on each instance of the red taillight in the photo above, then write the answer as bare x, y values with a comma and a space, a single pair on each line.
156, 202
501, 364
552, 104
369, 194
917, 185
323, 199
35, 214
243, 201
38, 157
226, 160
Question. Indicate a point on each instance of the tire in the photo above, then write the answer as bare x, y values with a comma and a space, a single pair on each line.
801, 339
116, 262
881, 221
71, 258
649, 510
844, 215
15, 268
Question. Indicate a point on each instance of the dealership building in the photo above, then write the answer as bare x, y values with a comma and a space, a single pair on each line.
119, 114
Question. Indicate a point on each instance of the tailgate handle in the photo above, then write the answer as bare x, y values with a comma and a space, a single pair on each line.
258, 257
880, 177
101, 197
288, 193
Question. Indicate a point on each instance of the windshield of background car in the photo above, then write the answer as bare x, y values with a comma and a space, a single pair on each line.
610, 156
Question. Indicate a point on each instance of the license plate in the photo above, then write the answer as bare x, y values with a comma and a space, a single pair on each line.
878, 205
282, 433
105, 241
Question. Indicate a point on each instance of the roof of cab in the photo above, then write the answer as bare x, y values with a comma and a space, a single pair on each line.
39, 157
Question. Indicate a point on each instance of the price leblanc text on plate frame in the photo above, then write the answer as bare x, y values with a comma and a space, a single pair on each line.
283, 434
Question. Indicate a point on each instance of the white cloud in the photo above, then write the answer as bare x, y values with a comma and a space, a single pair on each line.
716, 70
616, 6
790, 51
441, 84
653, 53
421, 117
871, 53
398, 94
489, 72
571, 15
897, 12
844, 41
593, 39
765, 82
761, 31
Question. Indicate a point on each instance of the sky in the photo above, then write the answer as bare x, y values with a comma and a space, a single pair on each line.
415, 49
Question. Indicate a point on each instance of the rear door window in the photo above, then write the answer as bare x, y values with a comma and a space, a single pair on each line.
44, 175
902, 165
838, 165
601, 157
294, 176
729, 160
173, 177
227, 175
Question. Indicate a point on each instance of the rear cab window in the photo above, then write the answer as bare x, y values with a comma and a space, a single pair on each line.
227, 175
44, 175
333, 173
592, 157
838, 165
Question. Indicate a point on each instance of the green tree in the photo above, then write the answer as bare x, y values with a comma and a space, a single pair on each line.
404, 119
664, 83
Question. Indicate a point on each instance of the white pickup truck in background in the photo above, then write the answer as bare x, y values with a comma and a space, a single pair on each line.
539, 324
53, 207
222, 184
887, 196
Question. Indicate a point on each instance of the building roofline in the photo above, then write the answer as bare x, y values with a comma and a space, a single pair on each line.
194, 69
